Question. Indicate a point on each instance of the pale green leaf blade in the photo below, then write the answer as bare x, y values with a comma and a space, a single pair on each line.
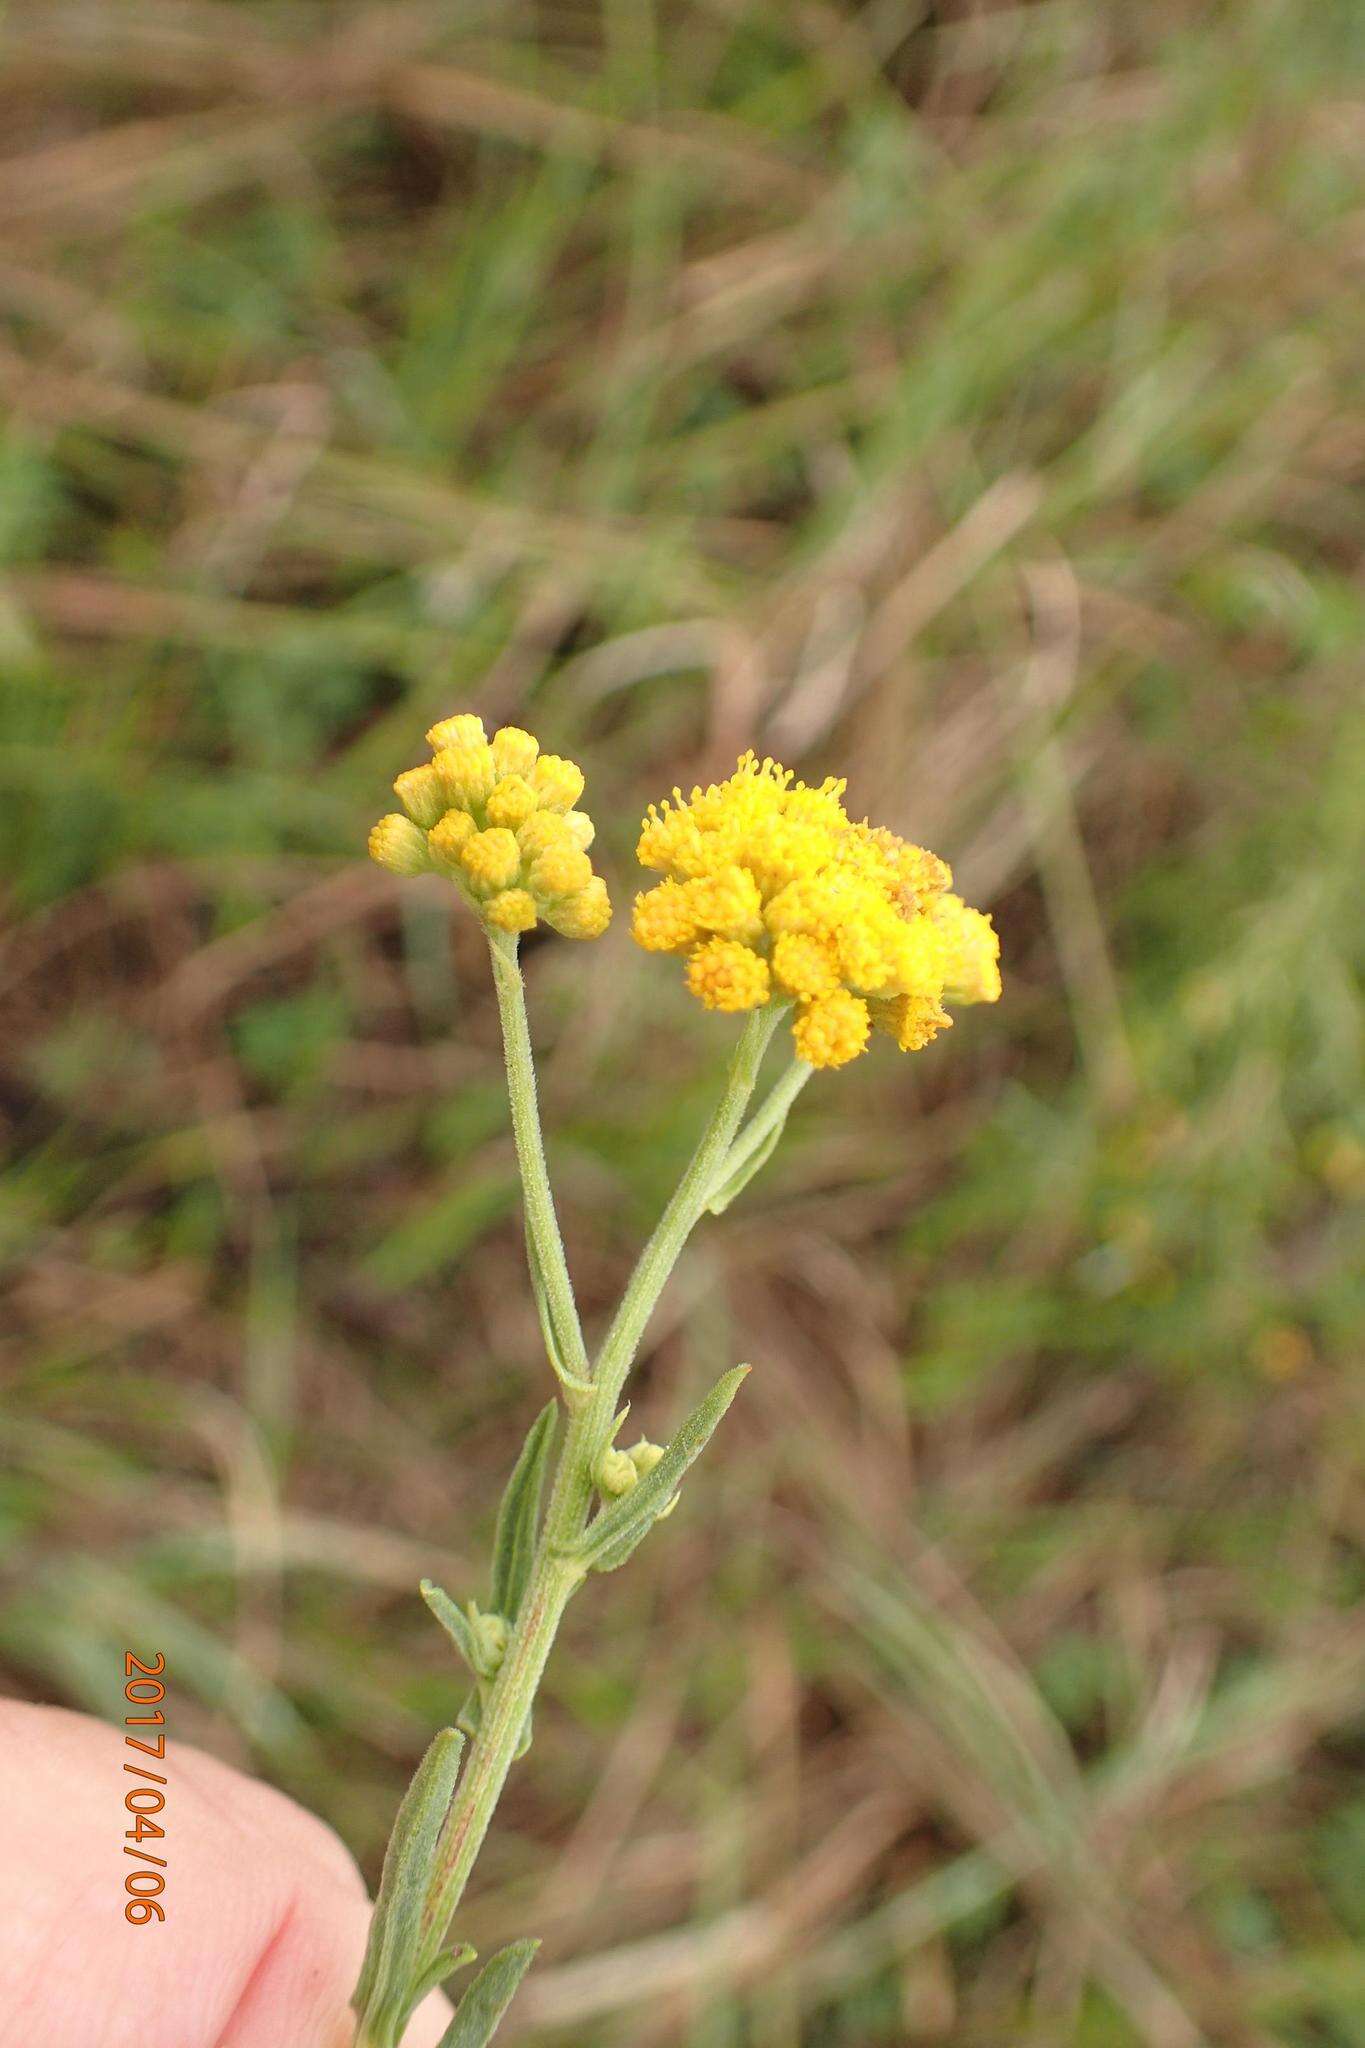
576, 1389
514, 1542
609, 1540
443, 1966
747, 1169
384, 1991
488, 1997
453, 1620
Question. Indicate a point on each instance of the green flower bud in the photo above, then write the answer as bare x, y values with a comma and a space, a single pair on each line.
615, 1473
490, 1640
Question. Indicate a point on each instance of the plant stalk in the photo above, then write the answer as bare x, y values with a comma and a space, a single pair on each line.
544, 1241
554, 1578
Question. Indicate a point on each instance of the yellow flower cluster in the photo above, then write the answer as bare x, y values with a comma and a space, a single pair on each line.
774, 894
497, 816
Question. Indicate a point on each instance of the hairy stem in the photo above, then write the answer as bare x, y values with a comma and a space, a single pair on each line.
544, 1243
494, 1748
671, 1233
769, 1116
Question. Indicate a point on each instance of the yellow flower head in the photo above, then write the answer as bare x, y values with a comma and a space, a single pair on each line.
770, 892
497, 817
727, 975
831, 1030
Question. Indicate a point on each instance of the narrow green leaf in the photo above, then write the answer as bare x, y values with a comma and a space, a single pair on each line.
445, 1965
454, 1621
609, 1540
514, 1542
384, 1992
577, 1390
488, 1997
752, 1164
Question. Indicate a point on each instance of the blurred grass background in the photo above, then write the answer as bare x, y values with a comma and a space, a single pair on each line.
966, 397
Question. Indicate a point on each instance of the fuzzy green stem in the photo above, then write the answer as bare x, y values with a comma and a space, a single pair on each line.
770, 1114
495, 1746
544, 1243
660, 1255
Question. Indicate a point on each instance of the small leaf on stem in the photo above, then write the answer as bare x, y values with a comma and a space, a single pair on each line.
488, 1997
577, 1390
609, 1540
454, 1621
737, 1179
387, 1988
514, 1542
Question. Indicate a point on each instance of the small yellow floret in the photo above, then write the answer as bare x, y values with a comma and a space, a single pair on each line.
832, 1030
464, 730
560, 871
972, 967
514, 751
399, 845
512, 802
557, 782
913, 1021
540, 833
467, 773
727, 903
447, 836
420, 793
917, 954
491, 860
511, 910
671, 841
585, 916
580, 829
805, 966
922, 875
809, 904
864, 953
662, 921
726, 975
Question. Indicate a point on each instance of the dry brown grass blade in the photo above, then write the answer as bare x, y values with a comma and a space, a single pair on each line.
707, 148
79, 184
1046, 685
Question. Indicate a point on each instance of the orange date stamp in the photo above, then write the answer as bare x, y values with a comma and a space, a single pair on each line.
145, 1692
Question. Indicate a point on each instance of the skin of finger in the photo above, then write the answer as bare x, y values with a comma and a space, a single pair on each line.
266, 1913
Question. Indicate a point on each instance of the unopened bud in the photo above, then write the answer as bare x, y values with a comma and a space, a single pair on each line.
399, 845
421, 795
644, 1456
615, 1474
490, 1641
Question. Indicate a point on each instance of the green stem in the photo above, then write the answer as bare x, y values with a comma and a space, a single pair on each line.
769, 1116
544, 1243
495, 1746
553, 1578
660, 1255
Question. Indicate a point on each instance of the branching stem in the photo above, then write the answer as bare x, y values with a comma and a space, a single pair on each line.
554, 1578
